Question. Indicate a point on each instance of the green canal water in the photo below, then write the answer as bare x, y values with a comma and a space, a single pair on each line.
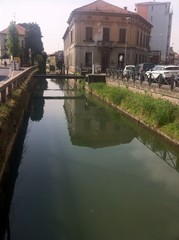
86, 172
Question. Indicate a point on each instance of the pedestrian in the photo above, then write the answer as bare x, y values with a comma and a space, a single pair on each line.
5, 63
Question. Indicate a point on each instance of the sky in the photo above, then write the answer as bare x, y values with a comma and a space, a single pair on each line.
52, 16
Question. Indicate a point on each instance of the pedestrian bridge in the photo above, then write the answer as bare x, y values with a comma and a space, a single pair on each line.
60, 76
88, 77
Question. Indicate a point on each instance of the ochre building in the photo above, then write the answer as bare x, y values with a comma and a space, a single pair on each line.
101, 35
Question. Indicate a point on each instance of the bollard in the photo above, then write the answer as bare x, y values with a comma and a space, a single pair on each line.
150, 79
172, 85
160, 81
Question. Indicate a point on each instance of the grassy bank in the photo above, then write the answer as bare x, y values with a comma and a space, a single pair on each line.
158, 114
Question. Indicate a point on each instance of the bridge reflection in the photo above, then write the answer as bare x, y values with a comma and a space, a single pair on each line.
172, 159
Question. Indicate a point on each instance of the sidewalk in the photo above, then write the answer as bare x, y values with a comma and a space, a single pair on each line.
7, 72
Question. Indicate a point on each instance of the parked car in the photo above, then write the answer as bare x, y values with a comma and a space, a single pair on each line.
166, 71
142, 68
128, 70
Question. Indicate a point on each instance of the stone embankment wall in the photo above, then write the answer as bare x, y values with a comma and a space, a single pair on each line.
10, 123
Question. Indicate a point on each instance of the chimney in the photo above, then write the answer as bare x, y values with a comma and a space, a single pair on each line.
125, 8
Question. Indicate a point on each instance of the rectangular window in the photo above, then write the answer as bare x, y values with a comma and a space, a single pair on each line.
147, 41
88, 59
5, 40
144, 41
122, 35
71, 36
137, 40
141, 37
106, 34
89, 33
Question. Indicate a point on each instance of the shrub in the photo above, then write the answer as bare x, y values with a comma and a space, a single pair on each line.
164, 112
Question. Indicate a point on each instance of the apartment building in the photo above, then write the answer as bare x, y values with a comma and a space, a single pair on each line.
159, 14
104, 35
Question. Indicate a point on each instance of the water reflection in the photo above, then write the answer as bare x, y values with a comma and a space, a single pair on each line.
89, 173
94, 125
163, 149
7, 185
37, 106
90, 125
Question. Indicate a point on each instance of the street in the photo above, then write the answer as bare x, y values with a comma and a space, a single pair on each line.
4, 72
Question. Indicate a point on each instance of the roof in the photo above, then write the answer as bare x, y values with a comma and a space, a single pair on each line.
100, 6
21, 30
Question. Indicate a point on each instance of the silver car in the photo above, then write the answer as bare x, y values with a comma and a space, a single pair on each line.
166, 71
128, 70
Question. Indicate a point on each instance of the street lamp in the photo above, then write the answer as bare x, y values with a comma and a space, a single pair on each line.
125, 57
30, 56
160, 50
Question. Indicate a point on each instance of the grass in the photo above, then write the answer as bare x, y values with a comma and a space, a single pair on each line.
157, 113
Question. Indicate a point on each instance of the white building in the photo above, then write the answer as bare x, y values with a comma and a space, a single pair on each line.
159, 14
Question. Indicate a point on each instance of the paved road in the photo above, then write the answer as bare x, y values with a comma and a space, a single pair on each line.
7, 72
4, 72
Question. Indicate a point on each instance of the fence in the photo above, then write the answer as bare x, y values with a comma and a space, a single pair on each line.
134, 77
7, 87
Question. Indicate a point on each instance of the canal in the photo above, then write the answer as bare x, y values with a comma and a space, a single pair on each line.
83, 171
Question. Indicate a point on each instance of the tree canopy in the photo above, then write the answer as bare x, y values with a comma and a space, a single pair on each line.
12, 44
33, 40
33, 37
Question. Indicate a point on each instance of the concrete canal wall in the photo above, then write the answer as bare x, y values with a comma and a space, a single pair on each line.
13, 107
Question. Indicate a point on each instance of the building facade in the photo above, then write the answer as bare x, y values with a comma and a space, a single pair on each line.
101, 34
159, 14
3, 39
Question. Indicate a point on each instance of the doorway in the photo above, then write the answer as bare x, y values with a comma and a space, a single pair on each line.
104, 60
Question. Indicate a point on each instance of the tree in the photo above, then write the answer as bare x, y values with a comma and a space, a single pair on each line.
41, 59
12, 44
60, 60
33, 40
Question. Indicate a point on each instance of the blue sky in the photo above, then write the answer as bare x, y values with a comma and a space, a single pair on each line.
52, 16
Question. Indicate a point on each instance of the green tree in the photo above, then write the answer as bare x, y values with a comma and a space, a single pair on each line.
41, 59
60, 60
12, 44
33, 40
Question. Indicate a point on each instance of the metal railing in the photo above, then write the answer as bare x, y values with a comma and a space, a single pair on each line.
172, 81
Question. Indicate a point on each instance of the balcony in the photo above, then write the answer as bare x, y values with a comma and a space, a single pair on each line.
109, 44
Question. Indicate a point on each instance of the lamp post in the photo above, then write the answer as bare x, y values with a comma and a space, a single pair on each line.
126, 41
30, 56
160, 54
